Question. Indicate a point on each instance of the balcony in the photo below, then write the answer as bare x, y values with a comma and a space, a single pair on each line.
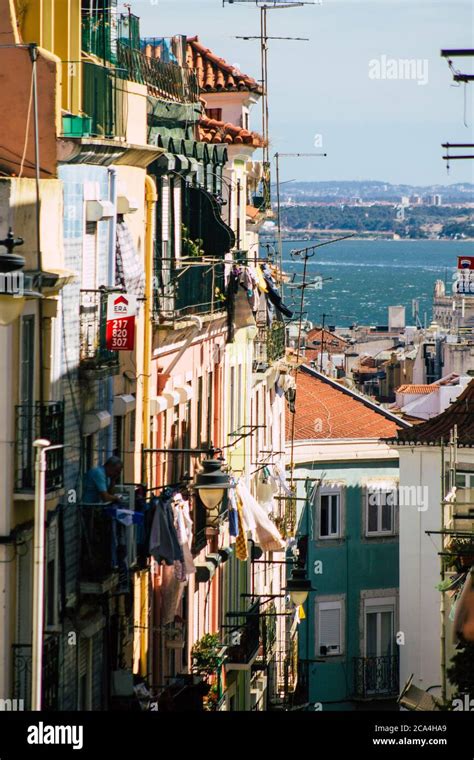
32, 421
194, 289
103, 101
269, 345
94, 357
22, 655
165, 80
376, 677
108, 550
244, 641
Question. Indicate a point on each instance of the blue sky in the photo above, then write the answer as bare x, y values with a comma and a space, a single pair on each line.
385, 129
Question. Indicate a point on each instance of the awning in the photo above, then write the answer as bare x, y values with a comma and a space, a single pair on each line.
158, 404
123, 404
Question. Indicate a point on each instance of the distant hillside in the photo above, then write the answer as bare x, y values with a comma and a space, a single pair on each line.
374, 190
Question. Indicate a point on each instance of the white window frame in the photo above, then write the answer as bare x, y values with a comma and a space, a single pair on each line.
379, 532
379, 604
321, 606
330, 493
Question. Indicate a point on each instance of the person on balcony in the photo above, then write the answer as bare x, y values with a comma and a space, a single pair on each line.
100, 481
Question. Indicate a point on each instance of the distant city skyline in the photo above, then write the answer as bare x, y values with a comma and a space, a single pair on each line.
336, 93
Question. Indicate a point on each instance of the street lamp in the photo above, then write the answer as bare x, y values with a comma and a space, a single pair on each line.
42, 446
298, 586
211, 483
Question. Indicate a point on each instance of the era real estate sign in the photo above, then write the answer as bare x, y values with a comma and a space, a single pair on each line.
120, 329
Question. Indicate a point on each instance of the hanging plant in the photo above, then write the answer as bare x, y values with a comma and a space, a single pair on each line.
205, 654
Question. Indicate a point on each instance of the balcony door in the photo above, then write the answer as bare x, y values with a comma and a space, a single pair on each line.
379, 648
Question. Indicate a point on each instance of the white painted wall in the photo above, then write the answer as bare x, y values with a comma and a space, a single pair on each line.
420, 570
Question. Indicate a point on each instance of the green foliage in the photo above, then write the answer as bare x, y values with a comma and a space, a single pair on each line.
380, 218
205, 654
191, 247
461, 672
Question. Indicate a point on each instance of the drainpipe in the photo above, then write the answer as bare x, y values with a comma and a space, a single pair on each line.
151, 198
111, 283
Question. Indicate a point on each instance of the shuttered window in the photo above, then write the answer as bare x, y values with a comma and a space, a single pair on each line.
89, 257
329, 625
165, 209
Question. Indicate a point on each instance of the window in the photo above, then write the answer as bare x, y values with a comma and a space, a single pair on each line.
380, 518
465, 479
329, 624
330, 515
214, 113
210, 411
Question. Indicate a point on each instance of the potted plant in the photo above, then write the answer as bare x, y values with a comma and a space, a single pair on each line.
205, 654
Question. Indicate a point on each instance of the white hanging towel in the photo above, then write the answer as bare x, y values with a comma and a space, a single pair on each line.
268, 536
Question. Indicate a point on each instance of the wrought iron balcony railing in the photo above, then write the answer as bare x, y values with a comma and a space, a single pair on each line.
244, 641
270, 343
375, 677
22, 656
94, 356
39, 420
164, 79
108, 547
193, 288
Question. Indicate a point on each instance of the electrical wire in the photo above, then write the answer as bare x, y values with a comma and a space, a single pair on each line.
27, 128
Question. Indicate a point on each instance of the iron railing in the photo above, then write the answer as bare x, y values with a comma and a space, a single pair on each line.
375, 677
93, 354
22, 672
106, 545
39, 420
245, 639
165, 80
104, 100
270, 343
99, 35
192, 289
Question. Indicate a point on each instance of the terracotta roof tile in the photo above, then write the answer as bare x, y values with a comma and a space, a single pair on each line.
417, 389
326, 411
213, 131
460, 413
215, 74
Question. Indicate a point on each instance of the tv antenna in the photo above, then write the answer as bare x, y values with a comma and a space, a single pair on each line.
264, 6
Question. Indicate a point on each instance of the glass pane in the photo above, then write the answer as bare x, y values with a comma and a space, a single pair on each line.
371, 634
387, 517
324, 515
334, 515
372, 519
386, 637
461, 480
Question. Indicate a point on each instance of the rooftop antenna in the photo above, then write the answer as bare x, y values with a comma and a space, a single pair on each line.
264, 6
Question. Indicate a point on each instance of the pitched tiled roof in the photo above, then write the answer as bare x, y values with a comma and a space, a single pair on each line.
213, 131
214, 74
332, 343
325, 409
460, 413
417, 389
